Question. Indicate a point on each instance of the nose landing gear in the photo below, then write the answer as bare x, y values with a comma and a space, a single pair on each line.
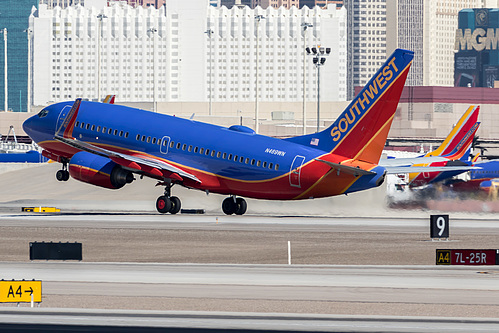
63, 175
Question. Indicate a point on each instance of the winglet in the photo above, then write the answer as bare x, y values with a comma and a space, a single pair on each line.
360, 132
68, 124
475, 158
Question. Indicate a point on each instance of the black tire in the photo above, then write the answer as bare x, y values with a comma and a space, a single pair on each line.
229, 206
176, 204
66, 175
60, 175
163, 204
241, 206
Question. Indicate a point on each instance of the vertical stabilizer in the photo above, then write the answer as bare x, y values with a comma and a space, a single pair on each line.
360, 132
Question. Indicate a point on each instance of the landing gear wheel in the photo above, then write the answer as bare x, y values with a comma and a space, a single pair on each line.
229, 207
175, 203
163, 204
62, 175
241, 206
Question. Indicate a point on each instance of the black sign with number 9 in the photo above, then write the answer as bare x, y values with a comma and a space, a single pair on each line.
439, 226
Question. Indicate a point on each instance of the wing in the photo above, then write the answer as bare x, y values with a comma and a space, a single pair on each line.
151, 166
393, 162
410, 169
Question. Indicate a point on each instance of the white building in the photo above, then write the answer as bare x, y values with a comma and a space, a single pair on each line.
65, 57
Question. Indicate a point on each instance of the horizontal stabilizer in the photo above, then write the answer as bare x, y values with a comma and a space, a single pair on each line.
347, 169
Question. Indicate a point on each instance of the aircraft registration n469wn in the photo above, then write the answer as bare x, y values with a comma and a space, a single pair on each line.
106, 145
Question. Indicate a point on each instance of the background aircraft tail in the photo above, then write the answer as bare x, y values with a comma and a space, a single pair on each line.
460, 138
360, 132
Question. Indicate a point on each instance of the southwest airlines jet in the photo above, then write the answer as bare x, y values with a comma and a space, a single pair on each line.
106, 144
455, 148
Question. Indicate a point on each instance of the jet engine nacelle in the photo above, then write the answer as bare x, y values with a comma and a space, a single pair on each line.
98, 170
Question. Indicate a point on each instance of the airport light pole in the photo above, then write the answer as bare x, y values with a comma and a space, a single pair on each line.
154, 31
209, 32
100, 17
28, 103
258, 18
6, 97
319, 59
305, 26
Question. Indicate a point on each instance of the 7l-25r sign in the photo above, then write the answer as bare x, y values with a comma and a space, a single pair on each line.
20, 291
466, 257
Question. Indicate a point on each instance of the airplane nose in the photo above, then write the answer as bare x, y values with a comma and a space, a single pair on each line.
28, 125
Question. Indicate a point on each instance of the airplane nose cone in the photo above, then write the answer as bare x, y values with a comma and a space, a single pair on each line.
28, 125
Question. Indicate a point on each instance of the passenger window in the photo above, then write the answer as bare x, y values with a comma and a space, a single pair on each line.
258, 163
207, 152
246, 161
196, 149
277, 167
253, 162
154, 141
77, 123
184, 146
138, 137
88, 126
104, 129
271, 165
143, 138
148, 139
230, 156
110, 131
241, 159
115, 132
178, 145
82, 125
201, 151
224, 155
218, 154
93, 127
121, 133
235, 158
264, 164
126, 135
212, 153
171, 144
190, 148
98, 128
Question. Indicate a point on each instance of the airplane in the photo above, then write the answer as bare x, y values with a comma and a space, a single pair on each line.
455, 149
107, 144
485, 178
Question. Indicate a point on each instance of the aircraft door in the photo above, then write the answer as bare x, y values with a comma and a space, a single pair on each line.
62, 116
165, 142
295, 171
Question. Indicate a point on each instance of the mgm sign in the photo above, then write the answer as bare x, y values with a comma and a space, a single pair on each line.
478, 40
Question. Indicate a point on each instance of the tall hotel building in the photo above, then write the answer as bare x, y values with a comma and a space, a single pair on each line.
429, 28
366, 40
172, 49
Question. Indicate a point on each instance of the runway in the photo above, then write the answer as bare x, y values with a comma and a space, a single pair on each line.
232, 272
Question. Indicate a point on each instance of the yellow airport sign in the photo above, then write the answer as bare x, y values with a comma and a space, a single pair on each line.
20, 291
41, 209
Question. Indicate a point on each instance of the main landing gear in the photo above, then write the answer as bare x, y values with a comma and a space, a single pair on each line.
233, 205
168, 204
63, 175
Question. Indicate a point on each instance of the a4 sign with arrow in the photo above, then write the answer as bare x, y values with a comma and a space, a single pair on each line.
17, 291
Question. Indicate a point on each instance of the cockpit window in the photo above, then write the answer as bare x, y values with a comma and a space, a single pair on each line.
43, 113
